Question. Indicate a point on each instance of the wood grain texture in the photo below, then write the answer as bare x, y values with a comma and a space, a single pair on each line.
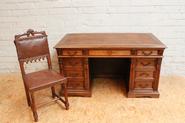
107, 40
90, 55
109, 52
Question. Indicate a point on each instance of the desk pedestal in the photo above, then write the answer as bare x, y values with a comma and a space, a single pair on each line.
143, 78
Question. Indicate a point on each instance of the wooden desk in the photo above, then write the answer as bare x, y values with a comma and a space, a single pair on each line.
144, 50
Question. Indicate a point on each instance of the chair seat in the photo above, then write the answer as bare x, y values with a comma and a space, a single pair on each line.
43, 79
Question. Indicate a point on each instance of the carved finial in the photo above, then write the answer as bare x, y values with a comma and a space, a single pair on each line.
30, 31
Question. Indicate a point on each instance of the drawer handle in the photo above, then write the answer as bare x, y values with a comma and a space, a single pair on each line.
145, 64
144, 74
72, 53
147, 53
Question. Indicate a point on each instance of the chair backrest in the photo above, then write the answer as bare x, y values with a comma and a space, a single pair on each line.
32, 46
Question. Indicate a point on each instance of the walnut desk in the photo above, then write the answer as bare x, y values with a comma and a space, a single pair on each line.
142, 51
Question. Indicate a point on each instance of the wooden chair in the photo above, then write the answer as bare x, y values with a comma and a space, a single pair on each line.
33, 46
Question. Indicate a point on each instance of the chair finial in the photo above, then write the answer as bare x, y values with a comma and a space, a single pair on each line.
30, 31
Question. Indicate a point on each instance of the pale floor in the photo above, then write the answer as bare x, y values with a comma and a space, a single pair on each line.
108, 104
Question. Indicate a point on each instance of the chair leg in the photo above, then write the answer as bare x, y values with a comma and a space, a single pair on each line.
28, 97
65, 96
53, 91
33, 107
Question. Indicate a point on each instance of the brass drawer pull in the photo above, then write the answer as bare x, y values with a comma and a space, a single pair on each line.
145, 64
147, 53
144, 74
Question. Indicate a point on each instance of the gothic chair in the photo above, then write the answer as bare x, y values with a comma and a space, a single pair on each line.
33, 46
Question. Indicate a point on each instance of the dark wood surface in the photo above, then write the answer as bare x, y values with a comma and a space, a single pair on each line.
81, 57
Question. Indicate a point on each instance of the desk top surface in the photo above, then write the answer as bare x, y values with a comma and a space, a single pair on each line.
110, 40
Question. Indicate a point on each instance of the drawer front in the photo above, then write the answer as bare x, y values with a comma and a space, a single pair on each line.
72, 62
143, 85
99, 52
72, 68
75, 83
147, 52
73, 73
72, 52
146, 63
109, 52
144, 75
121, 52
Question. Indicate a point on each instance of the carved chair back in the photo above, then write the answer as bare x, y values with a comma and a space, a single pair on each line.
32, 46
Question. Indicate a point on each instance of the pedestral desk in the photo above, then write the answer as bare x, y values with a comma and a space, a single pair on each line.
142, 51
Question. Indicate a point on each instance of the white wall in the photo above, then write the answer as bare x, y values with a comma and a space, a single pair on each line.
164, 18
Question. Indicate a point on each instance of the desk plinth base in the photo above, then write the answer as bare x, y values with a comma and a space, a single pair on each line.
137, 93
79, 93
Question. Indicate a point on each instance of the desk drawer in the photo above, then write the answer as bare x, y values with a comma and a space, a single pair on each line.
148, 64
109, 52
143, 85
147, 52
73, 73
144, 75
72, 62
75, 82
67, 52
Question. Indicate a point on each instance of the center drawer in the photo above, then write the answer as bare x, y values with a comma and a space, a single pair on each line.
109, 52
